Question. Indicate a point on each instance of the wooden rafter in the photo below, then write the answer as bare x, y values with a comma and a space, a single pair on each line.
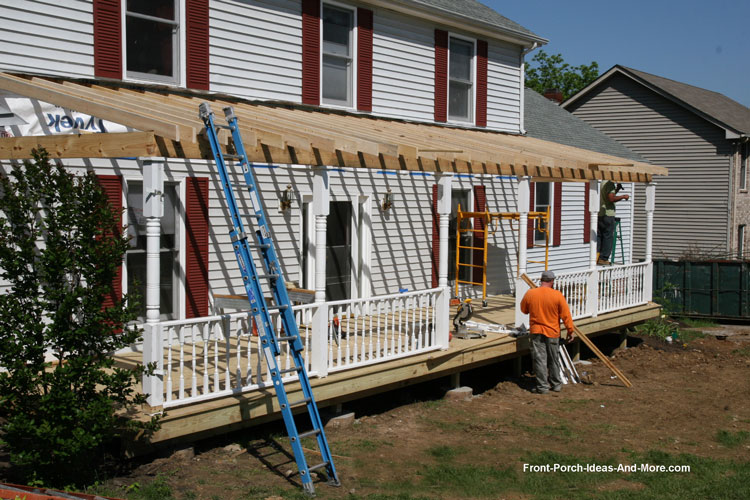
289, 134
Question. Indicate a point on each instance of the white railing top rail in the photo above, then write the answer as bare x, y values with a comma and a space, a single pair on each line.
383, 297
217, 317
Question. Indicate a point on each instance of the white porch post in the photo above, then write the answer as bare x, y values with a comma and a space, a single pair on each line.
153, 210
650, 207
321, 203
522, 198
443, 306
592, 295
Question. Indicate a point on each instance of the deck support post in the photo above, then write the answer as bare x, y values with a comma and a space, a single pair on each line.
650, 206
321, 199
522, 198
153, 211
592, 283
443, 302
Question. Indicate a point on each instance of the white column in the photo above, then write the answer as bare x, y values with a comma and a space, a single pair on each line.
153, 210
321, 204
445, 182
650, 207
522, 199
592, 284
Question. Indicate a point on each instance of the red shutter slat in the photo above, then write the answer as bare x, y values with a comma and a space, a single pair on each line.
196, 247
586, 214
482, 50
441, 75
557, 215
531, 223
311, 52
112, 187
196, 37
108, 39
480, 205
435, 236
364, 59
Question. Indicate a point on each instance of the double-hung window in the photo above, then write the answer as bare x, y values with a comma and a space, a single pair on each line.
542, 203
460, 80
168, 248
152, 40
338, 61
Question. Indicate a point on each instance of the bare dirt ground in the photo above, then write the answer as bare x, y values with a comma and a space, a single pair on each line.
686, 399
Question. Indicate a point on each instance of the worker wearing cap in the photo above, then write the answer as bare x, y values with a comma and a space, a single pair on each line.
546, 307
605, 226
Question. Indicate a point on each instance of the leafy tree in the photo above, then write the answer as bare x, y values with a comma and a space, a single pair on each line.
61, 397
552, 72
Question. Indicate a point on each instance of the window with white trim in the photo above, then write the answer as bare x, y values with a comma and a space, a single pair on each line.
542, 202
338, 56
744, 164
168, 248
152, 40
741, 241
460, 80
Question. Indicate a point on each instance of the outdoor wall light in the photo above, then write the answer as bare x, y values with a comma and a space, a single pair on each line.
387, 201
285, 201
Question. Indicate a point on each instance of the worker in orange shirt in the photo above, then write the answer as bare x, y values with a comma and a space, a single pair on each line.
546, 307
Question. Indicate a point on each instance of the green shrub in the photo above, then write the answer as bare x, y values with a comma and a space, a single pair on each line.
61, 397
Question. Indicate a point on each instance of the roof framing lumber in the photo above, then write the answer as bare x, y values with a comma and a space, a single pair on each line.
293, 134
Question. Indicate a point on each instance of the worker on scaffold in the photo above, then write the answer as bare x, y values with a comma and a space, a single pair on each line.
605, 227
546, 307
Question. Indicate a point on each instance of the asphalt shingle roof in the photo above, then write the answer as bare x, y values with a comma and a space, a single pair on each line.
543, 119
717, 106
476, 11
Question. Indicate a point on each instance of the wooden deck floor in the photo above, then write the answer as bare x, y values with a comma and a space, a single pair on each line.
201, 420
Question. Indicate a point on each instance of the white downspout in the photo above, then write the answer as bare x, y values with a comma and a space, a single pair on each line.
522, 75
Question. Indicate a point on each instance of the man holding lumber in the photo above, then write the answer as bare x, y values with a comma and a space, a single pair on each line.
546, 307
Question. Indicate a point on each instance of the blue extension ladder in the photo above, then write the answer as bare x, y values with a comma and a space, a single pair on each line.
260, 310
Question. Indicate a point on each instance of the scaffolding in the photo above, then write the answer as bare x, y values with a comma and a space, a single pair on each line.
491, 221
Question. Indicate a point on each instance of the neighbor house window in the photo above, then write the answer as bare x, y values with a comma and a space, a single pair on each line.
136, 254
151, 40
744, 163
338, 64
542, 202
460, 80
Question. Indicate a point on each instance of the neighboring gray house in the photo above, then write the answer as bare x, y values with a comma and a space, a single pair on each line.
703, 207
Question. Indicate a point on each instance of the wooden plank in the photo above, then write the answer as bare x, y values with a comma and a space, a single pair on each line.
111, 145
590, 344
26, 88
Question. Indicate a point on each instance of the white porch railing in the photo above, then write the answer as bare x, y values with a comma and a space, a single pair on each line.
592, 292
363, 332
623, 286
215, 356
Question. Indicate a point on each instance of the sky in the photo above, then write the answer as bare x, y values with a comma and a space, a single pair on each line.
705, 43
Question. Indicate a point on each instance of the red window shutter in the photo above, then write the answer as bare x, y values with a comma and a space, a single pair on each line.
435, 236
112, 187
311, 52
482, 49
531, 223
196, 37
441, 75
480, 205
557, 215
586, 214
108, 39
196, 247
364, 59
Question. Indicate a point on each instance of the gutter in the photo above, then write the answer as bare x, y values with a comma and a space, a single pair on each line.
458, 21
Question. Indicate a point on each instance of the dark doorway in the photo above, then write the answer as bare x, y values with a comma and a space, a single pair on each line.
339, 251
459, 196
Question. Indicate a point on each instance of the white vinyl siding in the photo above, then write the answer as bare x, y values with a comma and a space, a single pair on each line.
47, 37
256, 49
503, 87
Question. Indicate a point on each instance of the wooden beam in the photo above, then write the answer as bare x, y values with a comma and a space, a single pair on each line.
59, 97
129, 144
